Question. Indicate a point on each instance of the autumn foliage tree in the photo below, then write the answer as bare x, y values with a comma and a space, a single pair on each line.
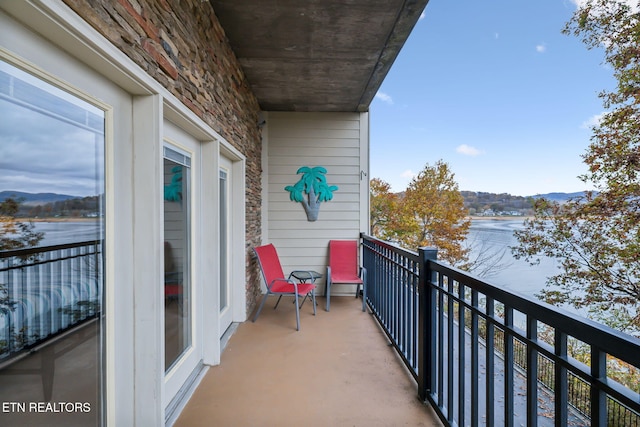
15, 234
384, 209
596, 238
435, 215
431, 212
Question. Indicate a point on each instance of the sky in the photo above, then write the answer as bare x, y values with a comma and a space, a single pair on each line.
47, 139
495, 90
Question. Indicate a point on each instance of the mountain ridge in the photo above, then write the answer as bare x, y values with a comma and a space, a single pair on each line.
35, 198
559, 196
30, 198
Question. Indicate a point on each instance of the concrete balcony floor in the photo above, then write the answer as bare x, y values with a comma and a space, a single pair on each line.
338, 370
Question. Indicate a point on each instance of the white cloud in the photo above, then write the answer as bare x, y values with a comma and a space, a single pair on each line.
593, 121
541, 48
408, 174
384, 97
468, 150
422, 15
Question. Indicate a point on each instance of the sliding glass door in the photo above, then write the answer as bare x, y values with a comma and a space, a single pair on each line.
52, 216
182, 240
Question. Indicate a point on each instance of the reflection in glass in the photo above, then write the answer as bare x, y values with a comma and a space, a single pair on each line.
177, 199
51, 257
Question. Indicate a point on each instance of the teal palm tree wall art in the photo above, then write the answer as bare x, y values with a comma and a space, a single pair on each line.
311, 190
173, 191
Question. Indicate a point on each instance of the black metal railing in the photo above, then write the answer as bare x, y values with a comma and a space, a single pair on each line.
482, 355
45, 291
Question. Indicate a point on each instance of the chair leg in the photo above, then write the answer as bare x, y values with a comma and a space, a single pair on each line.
313, 300
278, 302
328, 294
261, 305
303, 300
297, 313
327, 289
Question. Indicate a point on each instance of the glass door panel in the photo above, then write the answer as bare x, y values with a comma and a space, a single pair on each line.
177, 255
52, 220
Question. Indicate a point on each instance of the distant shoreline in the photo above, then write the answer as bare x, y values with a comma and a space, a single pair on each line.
499, 218
65, 219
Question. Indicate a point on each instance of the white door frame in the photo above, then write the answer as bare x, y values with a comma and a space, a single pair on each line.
226, 255
237, 233
178, 374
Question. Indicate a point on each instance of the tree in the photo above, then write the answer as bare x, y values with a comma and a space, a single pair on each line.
432, 213
596, 238
384, 209
15, 234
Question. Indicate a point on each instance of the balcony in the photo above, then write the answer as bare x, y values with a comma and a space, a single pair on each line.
475, 353
496, 369
339, 370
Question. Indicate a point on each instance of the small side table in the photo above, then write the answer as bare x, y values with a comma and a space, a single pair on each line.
306, 275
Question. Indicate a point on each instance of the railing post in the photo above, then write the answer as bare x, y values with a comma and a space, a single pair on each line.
426, 323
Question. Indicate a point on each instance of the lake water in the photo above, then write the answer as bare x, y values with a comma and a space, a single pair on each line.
517, 275
58, 233
497, 235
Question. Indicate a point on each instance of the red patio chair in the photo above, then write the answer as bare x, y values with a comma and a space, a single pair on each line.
277, 284
343, 268
172, 278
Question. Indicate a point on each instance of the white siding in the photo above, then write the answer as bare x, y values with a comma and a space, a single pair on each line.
339, 143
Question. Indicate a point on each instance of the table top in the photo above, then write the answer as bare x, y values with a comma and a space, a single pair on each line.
306, 275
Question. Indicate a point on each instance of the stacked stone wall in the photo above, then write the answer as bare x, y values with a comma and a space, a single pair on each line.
181, 44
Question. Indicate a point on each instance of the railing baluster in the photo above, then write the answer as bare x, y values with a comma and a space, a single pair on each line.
475, 360
598, 396
395, 306
490, 364
450, 358
462, 359
560, 388
532, 373
441, 341
508, 367
416, 317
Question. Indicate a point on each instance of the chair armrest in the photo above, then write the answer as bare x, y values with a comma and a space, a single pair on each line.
282, 280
